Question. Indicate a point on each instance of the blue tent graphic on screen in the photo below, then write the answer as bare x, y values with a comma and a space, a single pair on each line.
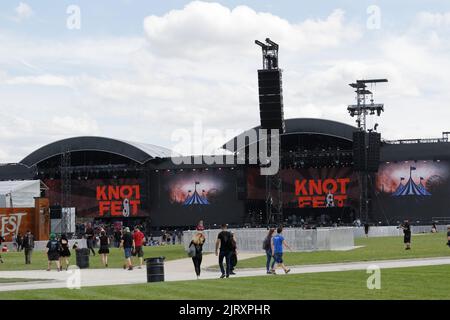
411, 188
195, 198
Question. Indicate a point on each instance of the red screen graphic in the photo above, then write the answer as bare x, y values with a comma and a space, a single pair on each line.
310, 188
102, 197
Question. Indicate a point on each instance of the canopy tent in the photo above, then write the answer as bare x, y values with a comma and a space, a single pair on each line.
19, 194
195, 198
411, 188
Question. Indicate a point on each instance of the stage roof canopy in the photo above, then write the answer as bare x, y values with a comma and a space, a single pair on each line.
139, 152
307, 126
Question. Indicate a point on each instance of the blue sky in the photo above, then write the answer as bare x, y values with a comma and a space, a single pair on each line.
124, 17
141, 70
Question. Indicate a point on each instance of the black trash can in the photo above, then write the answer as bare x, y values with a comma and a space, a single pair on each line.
82, 258
155, 269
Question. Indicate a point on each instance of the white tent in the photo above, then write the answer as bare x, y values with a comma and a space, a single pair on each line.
19, 194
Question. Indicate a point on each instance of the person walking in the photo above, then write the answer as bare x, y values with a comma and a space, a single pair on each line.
19, 242
234, 254
448, 236
90, 238
28, 246
1, 241
278, 242
139, 239
128, 246
366, 229
267, 246
197, 241
104, 248
117, 237
64, 254
225, 245
53, 249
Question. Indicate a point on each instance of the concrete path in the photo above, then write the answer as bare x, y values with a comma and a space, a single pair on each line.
183, 270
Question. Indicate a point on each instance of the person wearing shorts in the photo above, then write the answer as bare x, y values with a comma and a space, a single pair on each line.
139, 239
277, 249
127, 244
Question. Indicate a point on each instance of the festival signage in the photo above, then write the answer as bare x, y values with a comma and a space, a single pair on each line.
321, 193
122, 200
14, 221
310, 187
103, 197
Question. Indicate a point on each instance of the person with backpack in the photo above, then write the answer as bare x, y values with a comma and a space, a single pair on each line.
196, 251
267, 246
225, 245
53, 249
277, 248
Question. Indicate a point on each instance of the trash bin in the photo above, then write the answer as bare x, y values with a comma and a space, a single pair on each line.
155, 269
82, 258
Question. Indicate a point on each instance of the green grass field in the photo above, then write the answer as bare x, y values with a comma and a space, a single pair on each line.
405, 283
382, 248
16, 260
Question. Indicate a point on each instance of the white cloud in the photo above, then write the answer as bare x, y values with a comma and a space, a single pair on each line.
23, 12
200, 62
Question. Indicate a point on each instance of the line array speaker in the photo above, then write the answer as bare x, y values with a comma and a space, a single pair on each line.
271, 99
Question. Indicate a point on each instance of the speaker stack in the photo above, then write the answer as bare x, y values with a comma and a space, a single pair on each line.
373, 152
359, 155
366, 161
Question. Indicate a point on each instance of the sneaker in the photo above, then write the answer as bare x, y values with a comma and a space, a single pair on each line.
222, 276
232, 273
48, 269
287, 271
130, 269
228, 276
140, 267
269, 272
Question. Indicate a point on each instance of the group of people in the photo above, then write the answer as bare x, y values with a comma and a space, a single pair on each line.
226, 249
131, 242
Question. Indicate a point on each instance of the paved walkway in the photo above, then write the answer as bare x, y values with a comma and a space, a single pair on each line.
183, 270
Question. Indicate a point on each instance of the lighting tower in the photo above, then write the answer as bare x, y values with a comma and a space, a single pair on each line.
272, 118
366, 145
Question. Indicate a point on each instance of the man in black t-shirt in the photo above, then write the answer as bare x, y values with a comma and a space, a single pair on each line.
407, 234
128, 247
224, 242
90, 238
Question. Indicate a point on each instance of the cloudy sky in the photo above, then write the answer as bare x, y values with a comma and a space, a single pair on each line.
140, 70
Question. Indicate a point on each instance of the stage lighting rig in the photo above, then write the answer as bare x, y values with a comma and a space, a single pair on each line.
270, 54
361, 109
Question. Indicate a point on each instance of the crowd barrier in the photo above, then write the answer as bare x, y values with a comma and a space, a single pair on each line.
251, 240
392, 231
42, 245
